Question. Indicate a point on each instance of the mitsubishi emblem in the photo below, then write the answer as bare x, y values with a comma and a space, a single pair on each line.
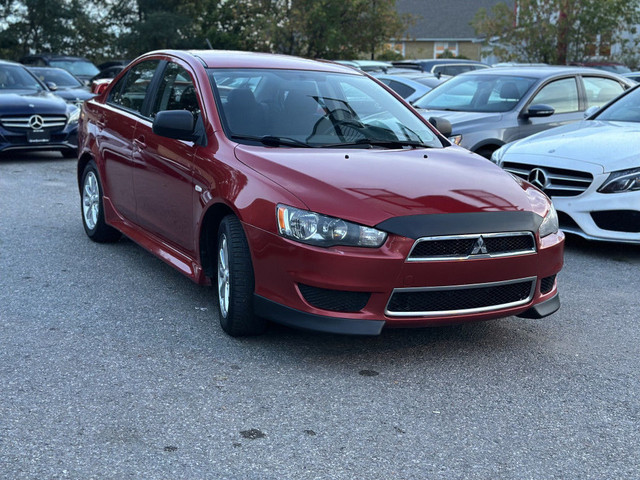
479, 247
36, 122
538, 177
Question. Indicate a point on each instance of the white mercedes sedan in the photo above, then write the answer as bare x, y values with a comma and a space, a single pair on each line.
590, 169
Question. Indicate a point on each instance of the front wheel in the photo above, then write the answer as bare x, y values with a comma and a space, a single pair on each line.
92, 208
235, 281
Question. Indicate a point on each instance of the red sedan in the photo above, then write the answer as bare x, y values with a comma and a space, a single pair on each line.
311, 195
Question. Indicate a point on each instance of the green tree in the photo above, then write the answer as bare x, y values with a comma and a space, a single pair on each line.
557, 31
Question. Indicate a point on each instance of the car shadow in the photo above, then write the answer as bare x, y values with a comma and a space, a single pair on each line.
623, 252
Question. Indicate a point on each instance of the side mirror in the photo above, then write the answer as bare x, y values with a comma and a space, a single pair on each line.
52, 86
590, 111
540, 110
442, 125
176, 124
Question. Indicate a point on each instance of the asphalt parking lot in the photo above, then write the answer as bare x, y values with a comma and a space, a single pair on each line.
113, 366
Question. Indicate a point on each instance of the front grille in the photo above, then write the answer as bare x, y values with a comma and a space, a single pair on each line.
558, 182
460, 299
618, 220
21, 122
334, 300
546, 284
469, 246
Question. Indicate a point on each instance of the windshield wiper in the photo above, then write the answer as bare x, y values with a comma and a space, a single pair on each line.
271, 141
372, 142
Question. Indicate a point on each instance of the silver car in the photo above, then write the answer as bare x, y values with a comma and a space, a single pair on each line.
488, 108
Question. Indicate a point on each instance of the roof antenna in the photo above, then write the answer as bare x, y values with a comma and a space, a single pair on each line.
209, 43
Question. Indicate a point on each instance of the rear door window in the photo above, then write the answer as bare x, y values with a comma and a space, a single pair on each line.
601, 90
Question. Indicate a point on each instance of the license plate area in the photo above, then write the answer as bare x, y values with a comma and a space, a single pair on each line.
38, 136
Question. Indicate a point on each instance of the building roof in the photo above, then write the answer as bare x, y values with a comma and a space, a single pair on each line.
443, 20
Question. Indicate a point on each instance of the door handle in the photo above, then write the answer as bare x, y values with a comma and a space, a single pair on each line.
139, 143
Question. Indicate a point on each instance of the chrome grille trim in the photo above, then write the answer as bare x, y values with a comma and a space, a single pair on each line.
472, 237
440, 313
561, 182
22, 122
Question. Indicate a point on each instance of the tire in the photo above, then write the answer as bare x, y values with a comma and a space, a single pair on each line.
486, 152
92, 209
235, 281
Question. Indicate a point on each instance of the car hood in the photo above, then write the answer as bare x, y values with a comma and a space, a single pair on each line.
609, 145
461, 119
35, 102
370, 186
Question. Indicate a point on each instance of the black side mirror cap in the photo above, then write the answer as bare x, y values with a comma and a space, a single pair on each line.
442, 125
539, 110
178, 124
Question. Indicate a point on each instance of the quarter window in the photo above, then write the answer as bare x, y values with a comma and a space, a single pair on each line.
136, 85
561, 95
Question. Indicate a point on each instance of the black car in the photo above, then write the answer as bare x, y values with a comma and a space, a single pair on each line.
33, 118
79, 66
63, 84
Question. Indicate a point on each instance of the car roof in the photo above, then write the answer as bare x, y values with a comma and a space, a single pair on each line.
440, 61
54, 56
9, 62
541, 71
238, 59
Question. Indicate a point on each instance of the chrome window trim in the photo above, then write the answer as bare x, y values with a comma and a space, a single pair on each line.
444, 313
472, 257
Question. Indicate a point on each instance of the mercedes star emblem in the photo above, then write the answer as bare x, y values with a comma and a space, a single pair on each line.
538, 177
36, 122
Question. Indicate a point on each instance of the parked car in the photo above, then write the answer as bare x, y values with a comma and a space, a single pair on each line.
79, 66
441, 66
408, 87
591, 169
367, 65
309, 195
31, 117
489, 108
63, 84
635, 76
613, 67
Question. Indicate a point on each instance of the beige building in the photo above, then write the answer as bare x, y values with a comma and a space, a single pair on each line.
439, 26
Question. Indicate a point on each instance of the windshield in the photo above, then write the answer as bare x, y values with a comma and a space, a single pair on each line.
315, 109
17, 78
626, 109
77, 67
61, 78
477, 93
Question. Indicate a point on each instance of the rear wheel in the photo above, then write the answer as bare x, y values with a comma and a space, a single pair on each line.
235, 281
93, 209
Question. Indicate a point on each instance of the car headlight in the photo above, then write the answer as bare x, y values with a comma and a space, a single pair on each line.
622, 181
456, 139
74, 115
550, 223
315, 229
496, 156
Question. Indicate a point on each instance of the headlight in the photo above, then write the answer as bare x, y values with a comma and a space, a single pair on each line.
457, 139
622, 181
315, 229
496, 156
550, 223
74, 116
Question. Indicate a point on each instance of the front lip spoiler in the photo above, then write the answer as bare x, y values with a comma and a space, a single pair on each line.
543, 309
308, 321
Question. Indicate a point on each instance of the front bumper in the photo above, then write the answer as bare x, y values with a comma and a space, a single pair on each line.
60, 139
283, 267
